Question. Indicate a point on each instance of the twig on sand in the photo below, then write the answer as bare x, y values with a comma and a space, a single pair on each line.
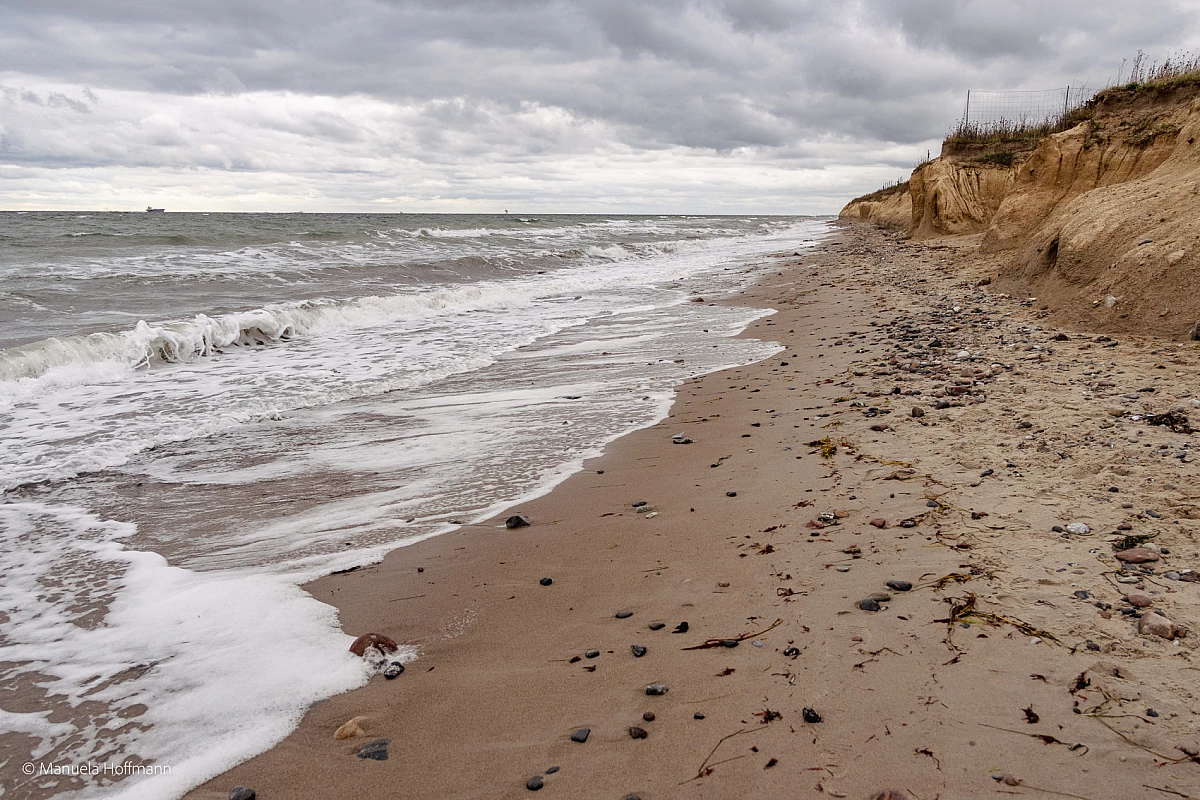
1166, 791
1044, 737
743, 637
706, 767
398, 599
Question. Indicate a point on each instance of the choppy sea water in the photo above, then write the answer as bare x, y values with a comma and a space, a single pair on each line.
199, 413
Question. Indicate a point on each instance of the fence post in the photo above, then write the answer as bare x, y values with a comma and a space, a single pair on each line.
1067, 102
967, 116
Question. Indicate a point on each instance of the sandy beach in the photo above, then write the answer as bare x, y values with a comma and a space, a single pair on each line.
918, 429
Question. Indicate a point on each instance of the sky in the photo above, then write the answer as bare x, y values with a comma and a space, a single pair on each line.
606, 106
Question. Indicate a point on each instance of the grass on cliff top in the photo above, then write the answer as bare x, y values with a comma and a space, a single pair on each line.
883, 193
1004, 131
1175, 71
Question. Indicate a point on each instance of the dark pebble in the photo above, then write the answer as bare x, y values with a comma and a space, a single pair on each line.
624, 614
729, 643
546, 581
942, 404
1082, 594
394, 670
639, 504
637, 733
908, 523
552, 770
868, 605
1092, 646
246, 793
535, 783
792, 652
1058, 529
810, 715
1150, 712
1113, 489
376, 750
655, 689
599, 472
681, 628
592, 653
648, 716
657, 626
516, 521
899, 586
697, 715
637, 650
930, 504
581, 735
731, 494
987, 472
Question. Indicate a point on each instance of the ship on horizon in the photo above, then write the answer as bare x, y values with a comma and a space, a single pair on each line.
151, 210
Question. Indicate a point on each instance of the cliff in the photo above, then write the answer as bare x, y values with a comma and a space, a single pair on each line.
1100, 222
888, 208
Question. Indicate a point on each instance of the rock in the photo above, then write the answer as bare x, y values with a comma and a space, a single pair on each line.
1154, 624
899, 586
592, 654
878, 523
376, 750
1137, 555
241, 793
1116, 411
908, 523
1082, 594
394, 670
637, 733
917, 411
1139, 601
880, 597
516, 521
552, 770
373, 640
535, 783
729, 643
843, 567
1172, 575
648, 716
637, 650
1077, 528
868, 605
348, 730
697, 715
681, 628
941, 405
791, 652
581, 735
731, 494
656, 626
624, 614
656, 689
546, 581
810, 715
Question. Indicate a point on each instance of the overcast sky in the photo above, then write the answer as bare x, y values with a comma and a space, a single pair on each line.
781, 106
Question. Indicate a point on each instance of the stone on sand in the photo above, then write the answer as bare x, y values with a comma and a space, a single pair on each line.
348, 730
373, 640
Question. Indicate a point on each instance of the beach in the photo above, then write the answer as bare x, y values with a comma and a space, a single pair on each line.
916, 429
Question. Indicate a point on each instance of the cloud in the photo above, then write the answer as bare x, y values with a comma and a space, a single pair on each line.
665, 106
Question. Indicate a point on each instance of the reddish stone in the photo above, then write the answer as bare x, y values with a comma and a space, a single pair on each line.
879, 523
1139, 601
377, 640
1137, 555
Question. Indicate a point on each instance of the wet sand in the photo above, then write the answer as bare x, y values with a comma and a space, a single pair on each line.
1034, 689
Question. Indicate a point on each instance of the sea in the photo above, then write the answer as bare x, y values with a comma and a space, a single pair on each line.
199, 413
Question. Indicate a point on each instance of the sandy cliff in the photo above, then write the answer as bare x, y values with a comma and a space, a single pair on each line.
1100, 222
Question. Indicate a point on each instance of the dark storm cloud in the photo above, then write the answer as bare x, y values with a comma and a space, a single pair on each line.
407, 85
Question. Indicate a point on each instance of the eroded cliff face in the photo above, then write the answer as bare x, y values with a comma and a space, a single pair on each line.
950, 196
893, 211
1103, 223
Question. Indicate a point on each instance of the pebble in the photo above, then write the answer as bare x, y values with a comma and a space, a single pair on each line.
791, 652
843, 567
908, 523
878, 523
729, 643
1172, 575
731, 494
868, 605
394, 670
899, 586
655, 689
810, 715
1137, 555
1155, 624
376, 750
697, 715
535, 783
681, 628
592, 654
516, 521
546, 581
639, 504
373, 640
348, 730
1150, 712
1078, 528
657, 626
581, 735
637, 650
1139, 601
624, 614
648, 716
637, 733
241, 793
552, 770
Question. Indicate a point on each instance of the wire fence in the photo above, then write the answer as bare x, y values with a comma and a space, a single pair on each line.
1023, 108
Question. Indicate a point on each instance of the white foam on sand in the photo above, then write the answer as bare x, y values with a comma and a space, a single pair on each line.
222, 665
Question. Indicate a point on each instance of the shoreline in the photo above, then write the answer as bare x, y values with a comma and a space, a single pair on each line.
494, 697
